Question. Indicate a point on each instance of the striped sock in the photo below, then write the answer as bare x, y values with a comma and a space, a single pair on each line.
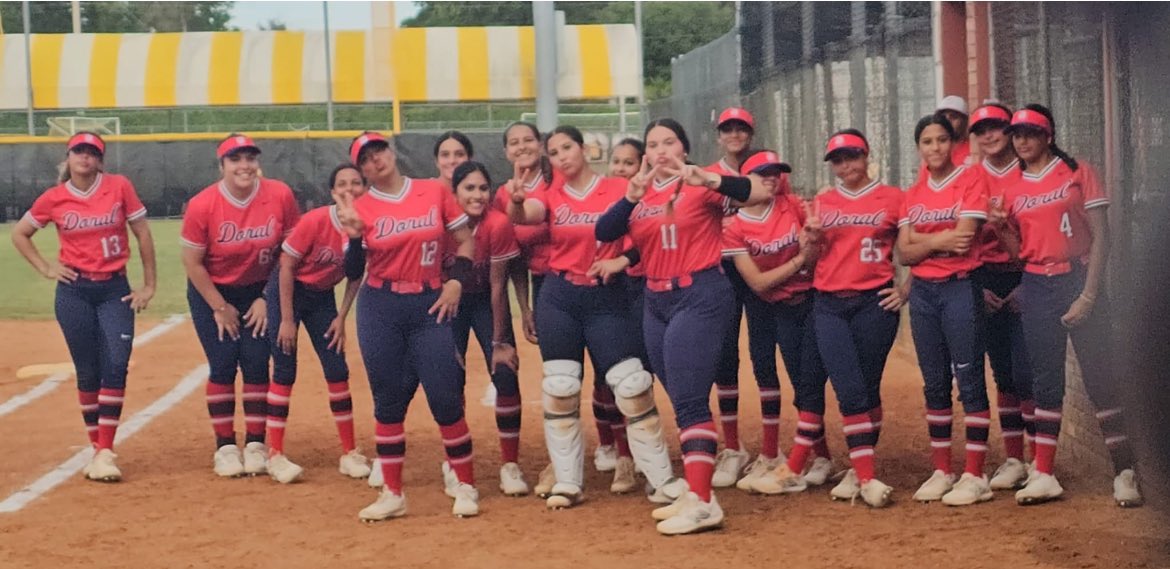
255, 411
860, 437
876, 416
1047, 431
1113, 428
89, 414
978, 426
1028, 412
1011, 425
279, 397
938, 424
457, 443
341, 405
809, 429
391, 448
620, 439
770, 421
699, 444
109, 415
729, 415
221, 406
508, 423
602, 401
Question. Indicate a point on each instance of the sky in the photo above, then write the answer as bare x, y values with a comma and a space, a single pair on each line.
343, 15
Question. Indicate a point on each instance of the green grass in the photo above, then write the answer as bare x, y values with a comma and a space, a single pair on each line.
29, 296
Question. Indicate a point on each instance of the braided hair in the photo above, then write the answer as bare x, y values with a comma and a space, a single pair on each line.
1052, 147
679, 132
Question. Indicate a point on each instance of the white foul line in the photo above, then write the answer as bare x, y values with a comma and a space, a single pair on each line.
67, 469
50, 383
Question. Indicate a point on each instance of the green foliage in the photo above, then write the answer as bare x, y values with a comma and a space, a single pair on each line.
119, 17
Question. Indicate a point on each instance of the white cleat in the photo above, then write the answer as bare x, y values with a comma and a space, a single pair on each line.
692, 515
1125, 489
376, 480
1011, 475
818, 473
605, 458
512, 480
761, 466
935, 487
388, 505
729, 465
970, 489
103, 467
229, 463
1040, 488
780, 480
354, 465
283, 470
255, 459
450, 480
848, 488
623, 476
545, 482
564, 496
670, 492
466, 501
875, 493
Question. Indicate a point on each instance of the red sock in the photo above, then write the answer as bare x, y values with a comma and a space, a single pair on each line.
391, 441
1047, 431
221, 406
809, 428
89, 414
875, 416
699, 443
1011, 425
279, 397
978, 424
770, 422
821, 449
859, 435
508, 424
109, 415
938, 422
457, 442
341, 405
602, 402
255, 411
1028, 412
620, 440
729, 415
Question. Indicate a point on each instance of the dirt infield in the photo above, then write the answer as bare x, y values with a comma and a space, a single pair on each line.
173, 512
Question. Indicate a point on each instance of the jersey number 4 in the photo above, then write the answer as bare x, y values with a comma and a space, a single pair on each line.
669, 237
1065, 226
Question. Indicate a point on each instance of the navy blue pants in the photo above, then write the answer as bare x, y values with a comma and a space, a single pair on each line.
99, 330
316, 309
248, 354
475, 313
728, 374
401, 346
945, 321
684, 330
570, 318
1003, 333
636, 292
854, 335
791, 327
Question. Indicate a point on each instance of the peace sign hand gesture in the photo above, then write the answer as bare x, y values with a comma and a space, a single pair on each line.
641, 181
351, 222
515, 186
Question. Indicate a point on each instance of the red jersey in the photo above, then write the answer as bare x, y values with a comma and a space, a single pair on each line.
722, 168
860, 229
91, 223
495, 241
931, 207
1050, 208
533, 239
990, 249
771, 240
683, 241
405, 234
240, 238
572, 214
319, 243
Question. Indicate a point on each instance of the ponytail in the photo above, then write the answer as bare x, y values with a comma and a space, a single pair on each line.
1052, 147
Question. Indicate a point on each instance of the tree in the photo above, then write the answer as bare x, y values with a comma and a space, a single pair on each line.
272, 25
119, 17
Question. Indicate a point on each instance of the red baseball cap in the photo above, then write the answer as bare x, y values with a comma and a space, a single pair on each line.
845, 141
736, 114
1030, 118
368, 137
235, 144
989, 113
86, 138
764, 162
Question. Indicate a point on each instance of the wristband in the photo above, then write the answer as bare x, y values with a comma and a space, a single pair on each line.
634, 255
497, 343
1089, 299
735, 187
460, 270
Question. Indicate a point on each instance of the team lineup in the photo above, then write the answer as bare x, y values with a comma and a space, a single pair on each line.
650, 270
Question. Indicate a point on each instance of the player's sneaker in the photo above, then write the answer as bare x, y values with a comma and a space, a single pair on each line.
466, 501
692, 515
848, 488
729, 466
781, 480
623, 476
255, 458
450, 480
103, 467
229, 463
605, 458
935, 487
1125, 489
354, 465
512, 480
670, 492
818, 473
760, 466
375, 479
875, 493
545, 482
283, 470
1011, 475
388, 505
564, 496
970, 489
1041, 488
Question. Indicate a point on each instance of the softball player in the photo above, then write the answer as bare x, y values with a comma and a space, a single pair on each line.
855, 316
673, 213
625, 158
1000, 279
578, 310
94, 303
452, 148
939, 222
405, 311
1057, 223
231, 237
311, 266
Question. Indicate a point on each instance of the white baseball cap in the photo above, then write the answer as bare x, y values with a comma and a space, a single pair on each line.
953, 103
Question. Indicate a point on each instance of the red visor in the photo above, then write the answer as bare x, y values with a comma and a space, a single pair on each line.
355, 147
235, 143
1028, 117
736, 114
845, 141
87, 138
989, 113
762, 162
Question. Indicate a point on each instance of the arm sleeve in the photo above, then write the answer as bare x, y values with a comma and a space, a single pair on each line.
615, 222
355, 259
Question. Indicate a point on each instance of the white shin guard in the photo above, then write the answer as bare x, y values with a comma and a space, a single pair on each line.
633, 389
562, 421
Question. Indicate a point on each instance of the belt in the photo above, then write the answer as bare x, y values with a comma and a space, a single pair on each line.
675, 283
795, 299
1009, 267
955, 277
1050, 269
404, 287
100, 276
578, 279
